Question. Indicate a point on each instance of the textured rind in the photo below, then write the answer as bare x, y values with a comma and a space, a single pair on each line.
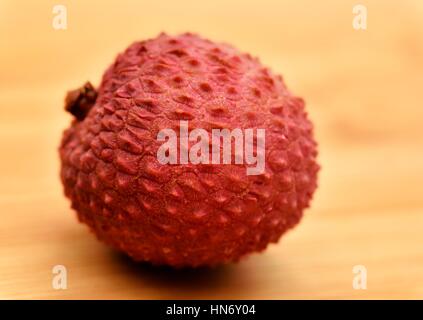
187, 215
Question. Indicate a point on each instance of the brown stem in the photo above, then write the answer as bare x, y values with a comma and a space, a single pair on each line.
79, 102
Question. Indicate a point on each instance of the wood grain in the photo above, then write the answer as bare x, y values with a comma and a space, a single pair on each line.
363, 92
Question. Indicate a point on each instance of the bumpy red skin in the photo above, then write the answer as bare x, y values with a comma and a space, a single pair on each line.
187, 215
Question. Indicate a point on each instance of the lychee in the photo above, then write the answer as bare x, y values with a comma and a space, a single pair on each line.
185, 213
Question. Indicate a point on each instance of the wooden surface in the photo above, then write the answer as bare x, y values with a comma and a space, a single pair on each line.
363, 91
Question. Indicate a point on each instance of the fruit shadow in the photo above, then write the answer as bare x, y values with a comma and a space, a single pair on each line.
186, 282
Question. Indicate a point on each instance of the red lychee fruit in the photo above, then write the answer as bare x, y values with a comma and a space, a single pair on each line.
186, 214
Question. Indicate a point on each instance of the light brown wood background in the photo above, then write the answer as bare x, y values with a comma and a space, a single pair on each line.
363, 91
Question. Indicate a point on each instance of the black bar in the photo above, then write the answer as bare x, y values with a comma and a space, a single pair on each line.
210, 309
